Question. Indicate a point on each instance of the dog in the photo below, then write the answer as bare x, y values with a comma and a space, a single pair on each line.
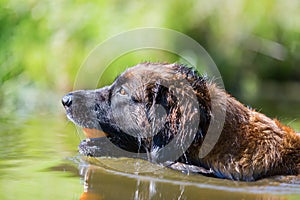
157, 110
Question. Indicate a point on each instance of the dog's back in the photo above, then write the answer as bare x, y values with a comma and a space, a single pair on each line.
250, 146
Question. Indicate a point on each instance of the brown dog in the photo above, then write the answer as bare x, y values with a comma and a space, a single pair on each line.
160, 109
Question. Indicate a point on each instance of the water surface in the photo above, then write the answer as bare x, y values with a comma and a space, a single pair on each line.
39, 160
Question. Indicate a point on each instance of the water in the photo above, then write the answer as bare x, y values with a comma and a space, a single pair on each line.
39, 160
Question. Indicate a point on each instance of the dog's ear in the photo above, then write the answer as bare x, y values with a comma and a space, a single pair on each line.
157, 106
174, 107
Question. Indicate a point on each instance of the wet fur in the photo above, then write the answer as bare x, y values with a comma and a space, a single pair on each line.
251, 145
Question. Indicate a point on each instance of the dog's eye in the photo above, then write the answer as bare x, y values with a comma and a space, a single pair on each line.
122, 91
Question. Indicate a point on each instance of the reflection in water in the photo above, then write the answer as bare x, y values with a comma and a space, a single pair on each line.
99, 185
103, 183
31, 150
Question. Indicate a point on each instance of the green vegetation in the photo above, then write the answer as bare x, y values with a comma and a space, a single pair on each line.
43, 43
256, 45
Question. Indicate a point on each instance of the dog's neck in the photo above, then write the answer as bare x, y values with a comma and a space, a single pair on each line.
251, 145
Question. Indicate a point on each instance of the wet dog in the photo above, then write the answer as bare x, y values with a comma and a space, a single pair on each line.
165, 111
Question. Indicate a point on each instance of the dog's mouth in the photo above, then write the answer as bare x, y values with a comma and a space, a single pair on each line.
93, 133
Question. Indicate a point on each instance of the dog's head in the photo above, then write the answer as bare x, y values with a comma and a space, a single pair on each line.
146, 107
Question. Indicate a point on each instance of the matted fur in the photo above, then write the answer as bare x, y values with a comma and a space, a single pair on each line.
251, 146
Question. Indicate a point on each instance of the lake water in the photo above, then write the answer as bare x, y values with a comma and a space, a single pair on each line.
39, 160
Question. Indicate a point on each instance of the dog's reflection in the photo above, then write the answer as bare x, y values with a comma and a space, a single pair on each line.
100, 183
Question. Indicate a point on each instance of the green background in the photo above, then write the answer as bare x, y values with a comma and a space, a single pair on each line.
255, 44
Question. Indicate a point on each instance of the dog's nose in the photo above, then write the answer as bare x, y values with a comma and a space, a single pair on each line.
67, 100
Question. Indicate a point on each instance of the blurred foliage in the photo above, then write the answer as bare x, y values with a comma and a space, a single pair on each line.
256, 45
